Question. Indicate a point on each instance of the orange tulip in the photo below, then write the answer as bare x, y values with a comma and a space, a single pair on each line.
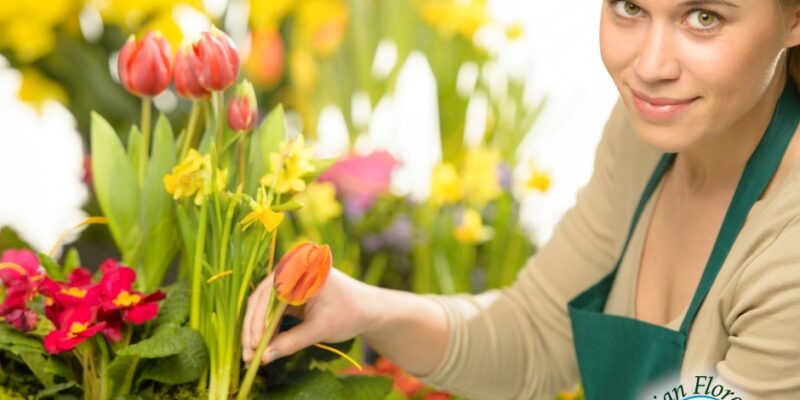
302, 272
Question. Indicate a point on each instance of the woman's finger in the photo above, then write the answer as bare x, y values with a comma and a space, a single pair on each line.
247, 350
259, 314
291, 341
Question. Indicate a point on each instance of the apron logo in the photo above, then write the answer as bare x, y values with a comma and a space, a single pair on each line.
704, 389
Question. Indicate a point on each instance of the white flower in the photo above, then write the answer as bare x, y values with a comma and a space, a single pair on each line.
41, 166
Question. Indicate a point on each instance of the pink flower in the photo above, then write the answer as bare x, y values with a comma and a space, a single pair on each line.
117, 294
359, 180
74, 326
21, 276
145, 66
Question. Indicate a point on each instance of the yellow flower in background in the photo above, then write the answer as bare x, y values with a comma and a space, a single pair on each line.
479, 177
450, 17
303, 68
445, 185
28, 28
192, 177
319, 201
321, 25
262, 213
514, 31
288, 168
269, 13
539, 180
36, 89
471, 229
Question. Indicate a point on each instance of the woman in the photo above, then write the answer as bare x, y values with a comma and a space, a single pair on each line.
681, 255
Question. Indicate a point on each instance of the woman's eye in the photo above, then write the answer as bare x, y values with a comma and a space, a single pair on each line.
702, 20
627, 9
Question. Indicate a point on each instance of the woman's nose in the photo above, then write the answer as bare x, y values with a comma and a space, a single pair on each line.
657, 59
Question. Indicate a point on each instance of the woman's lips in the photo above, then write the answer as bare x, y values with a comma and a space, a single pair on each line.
660, 109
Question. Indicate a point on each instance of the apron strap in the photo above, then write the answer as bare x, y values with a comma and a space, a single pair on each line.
758, 172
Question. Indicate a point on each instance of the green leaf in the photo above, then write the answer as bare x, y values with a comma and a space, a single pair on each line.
51, 267
320, 166
183, 367
18, 342
271, 132
365, 387
55, 390
114, 184
175, 308
291, 205
38, 364
159, 242
71, 261
166, 341
308, 385
134, 140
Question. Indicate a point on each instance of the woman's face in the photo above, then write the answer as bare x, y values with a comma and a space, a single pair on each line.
688, 70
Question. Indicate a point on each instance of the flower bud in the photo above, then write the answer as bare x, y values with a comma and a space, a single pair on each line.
187, 65
242, 109
145, 66
219, 60
302, 272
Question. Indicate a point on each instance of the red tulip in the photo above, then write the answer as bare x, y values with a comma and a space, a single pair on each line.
219, 60
145, 66
187, 66
242, 110
302, 272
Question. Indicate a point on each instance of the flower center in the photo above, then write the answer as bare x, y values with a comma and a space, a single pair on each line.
126, 299
74, 292
76, 328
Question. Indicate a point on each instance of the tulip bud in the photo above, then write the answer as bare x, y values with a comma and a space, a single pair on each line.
145, 66
242, 110
302, 272
219, 60
187, 83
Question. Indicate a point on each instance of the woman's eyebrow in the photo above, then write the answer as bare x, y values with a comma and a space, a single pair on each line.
700, 3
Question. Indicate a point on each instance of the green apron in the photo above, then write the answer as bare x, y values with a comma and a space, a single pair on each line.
619, 356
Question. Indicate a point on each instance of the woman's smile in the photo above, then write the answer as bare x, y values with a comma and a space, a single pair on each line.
661, 109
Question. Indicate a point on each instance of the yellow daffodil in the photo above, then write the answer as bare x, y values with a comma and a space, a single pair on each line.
480, 180
319, 202
304, 69
192, 177
471, 229
28, 28
262, 213
36, 89
445, 185
269, 14
451, 17
291, 165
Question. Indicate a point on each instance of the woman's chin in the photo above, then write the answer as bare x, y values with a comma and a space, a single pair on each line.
663, 139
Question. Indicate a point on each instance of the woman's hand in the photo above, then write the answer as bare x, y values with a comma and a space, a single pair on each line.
337, 313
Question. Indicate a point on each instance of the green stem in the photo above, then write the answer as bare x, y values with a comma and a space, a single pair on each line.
273, 319
188, 139
103, 373
251, 263
144, 148
219, 107
197, 276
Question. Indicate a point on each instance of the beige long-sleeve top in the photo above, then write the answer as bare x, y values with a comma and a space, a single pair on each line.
516, 342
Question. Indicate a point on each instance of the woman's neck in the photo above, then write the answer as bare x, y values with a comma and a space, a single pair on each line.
715, 165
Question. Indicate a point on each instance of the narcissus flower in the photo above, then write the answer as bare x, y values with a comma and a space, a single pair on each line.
242, 109
219, 60
479, 178
471, 229
145, 66
262, 213
445, 185
291, 165
192, 177
302, 272
187, 66
73, 327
